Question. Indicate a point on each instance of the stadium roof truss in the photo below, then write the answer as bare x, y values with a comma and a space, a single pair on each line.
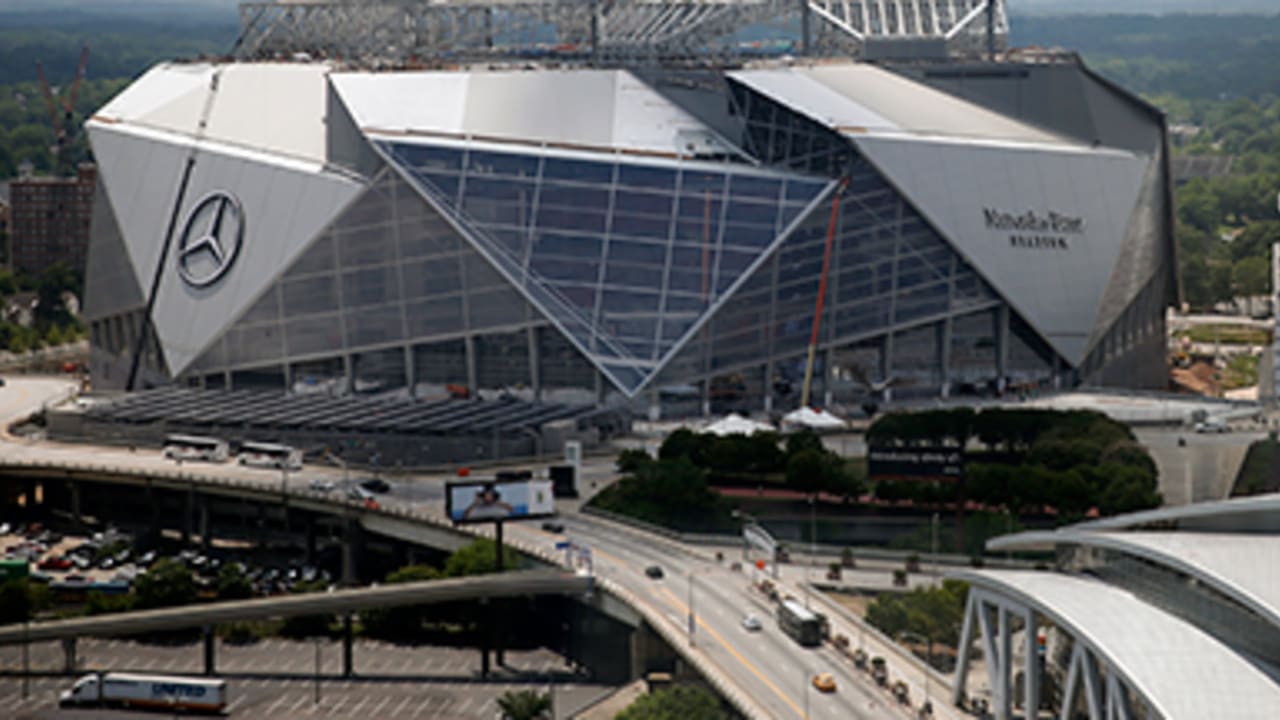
608, 32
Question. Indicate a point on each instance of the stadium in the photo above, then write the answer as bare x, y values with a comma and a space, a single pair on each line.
627, 216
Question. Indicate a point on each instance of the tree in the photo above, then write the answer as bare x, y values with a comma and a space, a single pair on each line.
524, 705
233, 584
1251, 276
15, 602
477, 558
402, 622
676, 703
168, 583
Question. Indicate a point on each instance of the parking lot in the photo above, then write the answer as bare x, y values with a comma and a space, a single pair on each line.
276, 679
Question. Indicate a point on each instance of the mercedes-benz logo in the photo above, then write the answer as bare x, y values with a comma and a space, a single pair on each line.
211, 239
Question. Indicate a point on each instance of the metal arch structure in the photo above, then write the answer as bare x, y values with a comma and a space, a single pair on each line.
990, 618
606, 32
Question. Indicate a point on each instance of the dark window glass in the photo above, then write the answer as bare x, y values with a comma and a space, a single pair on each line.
640, 176
481, 162
578, 171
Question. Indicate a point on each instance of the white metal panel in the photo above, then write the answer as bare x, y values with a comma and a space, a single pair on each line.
272, 107
141, 177
434, 101
599, 109
874, 100
1181, 670
157, 87
1057, 288
566, 106
284, 208
805, 94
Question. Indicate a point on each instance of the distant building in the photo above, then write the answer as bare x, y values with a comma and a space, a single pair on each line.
49, 220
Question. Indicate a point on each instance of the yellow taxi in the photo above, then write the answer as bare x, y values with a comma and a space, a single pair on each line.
824, 682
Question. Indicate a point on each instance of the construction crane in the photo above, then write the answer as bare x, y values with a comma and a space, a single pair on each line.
63, 122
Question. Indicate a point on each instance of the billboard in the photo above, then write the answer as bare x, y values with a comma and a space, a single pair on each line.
939, 463
486, 500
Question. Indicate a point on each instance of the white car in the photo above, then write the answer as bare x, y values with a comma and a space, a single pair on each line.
322, 485
751, 623
1212, 426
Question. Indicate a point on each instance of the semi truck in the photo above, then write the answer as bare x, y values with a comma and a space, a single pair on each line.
156, 691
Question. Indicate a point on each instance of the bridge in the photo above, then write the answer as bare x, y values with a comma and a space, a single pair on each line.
697, 609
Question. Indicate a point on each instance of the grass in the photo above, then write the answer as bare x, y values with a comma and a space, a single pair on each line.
1227, 335
1241, 371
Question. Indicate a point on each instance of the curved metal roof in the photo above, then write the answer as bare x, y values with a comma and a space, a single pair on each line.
1181, 671
1222, 514
1241, 567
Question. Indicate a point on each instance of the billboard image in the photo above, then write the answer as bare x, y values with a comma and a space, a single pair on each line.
484, 500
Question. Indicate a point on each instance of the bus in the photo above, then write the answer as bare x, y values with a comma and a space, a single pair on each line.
270, 455
800, 623
196, 447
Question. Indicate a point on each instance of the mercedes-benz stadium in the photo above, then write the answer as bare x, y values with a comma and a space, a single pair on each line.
649, 234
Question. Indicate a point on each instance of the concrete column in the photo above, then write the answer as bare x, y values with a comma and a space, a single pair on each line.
210, 651
69, 656
311, 539
535, 367
469, 345
188, 503
206, 541
352, 545
74, 489
348, 661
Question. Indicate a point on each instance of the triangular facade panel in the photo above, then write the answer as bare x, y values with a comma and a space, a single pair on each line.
1044, 226
625, 258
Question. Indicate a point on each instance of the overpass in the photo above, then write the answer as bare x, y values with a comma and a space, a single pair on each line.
336, 602
697, 608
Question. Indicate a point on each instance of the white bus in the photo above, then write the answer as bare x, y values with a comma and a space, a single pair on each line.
270, 455
196, 447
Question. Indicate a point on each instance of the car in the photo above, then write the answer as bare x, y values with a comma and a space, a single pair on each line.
751, 623
376, 485
553, 527
654, 572
55, 562
1212, 426
322, 485
1, 382
824, 682
359, 494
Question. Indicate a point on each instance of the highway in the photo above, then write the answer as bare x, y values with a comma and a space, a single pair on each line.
769, 671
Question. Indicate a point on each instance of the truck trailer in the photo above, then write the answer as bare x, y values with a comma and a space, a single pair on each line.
169, 692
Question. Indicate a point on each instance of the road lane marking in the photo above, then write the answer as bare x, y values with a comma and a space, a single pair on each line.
737, 655
400, 707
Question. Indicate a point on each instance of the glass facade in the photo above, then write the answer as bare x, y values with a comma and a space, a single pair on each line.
626, 257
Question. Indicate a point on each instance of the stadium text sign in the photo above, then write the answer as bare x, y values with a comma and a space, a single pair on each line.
921, 463
1034, 230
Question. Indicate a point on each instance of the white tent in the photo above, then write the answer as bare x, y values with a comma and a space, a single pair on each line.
813, 419
735, 424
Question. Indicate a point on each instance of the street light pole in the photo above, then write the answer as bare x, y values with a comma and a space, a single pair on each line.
693, 615
813, 545
933, 545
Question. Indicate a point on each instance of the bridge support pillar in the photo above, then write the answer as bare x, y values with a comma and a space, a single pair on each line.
486, 636
188, 502
29, 499
311, 538
210, 651
69, 662
348, 661
73, 489
205, 530
352, 548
